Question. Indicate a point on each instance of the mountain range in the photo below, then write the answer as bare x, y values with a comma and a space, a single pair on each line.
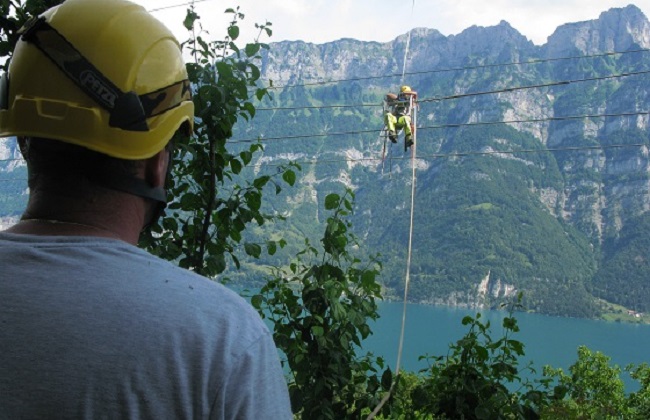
531, 162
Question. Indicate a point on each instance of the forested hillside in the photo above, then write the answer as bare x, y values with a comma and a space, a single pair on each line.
545, 205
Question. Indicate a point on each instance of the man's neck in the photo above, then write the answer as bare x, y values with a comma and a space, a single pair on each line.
120, 217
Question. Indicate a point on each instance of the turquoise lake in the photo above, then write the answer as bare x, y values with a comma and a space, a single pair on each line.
548, 340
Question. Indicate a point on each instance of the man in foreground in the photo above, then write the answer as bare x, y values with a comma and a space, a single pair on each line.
90, 325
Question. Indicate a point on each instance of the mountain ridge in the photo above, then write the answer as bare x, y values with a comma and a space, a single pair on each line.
544, 206
587, 197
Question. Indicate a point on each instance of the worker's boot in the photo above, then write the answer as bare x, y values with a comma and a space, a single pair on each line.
392, 135
408, 142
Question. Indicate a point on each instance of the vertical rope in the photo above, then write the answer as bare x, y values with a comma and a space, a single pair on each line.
406, 52
407, 280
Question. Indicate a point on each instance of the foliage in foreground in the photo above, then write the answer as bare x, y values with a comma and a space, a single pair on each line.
320, 306
211, 203
481, 379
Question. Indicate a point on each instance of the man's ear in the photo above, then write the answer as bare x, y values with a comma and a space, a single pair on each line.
156, 169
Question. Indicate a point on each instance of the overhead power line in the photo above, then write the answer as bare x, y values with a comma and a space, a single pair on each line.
452, 125
439, 155
463, 154
434, 127
464, 68
189, 3
468, 94
541, 85
291, 108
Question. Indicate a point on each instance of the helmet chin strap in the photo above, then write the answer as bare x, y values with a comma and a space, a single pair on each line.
140, 188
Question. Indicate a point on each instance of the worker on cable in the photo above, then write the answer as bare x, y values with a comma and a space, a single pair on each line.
399, 115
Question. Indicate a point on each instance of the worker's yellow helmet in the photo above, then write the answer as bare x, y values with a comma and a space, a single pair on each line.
405, 89
101, 74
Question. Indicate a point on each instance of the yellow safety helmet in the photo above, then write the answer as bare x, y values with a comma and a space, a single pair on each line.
102, 74
405, 89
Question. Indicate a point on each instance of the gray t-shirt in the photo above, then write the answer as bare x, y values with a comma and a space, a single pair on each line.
97, 328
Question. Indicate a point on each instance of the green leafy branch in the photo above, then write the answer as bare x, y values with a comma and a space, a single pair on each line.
211, 203
320, 306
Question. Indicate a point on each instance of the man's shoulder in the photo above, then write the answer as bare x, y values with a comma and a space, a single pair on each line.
146, 283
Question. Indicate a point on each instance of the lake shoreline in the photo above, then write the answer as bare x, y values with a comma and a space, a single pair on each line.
614, 314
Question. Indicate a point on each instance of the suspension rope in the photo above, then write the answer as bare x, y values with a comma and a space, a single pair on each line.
406, 53
413, 107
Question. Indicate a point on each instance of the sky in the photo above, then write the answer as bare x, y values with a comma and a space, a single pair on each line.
321, 21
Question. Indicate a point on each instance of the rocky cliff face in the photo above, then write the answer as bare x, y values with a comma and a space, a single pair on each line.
10, 155
593, 175
617, 29
585, 200
13, 183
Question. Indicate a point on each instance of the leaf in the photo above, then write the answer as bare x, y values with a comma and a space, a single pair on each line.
190, 18
259, 93
559, 392
246, 157
252, 49
289, 177
203, 44
5, 48
236, 261
233, 32
215, 264
332, 201
236, 166
510, 323
250, 108
235, 234
345, 343
170, 224
271, 247
386, 379
367, 279
317, 331
224, 70
255, 72
256, 301
253, 200
254, 250
517, 346
190, 201
481, 352
261, 181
